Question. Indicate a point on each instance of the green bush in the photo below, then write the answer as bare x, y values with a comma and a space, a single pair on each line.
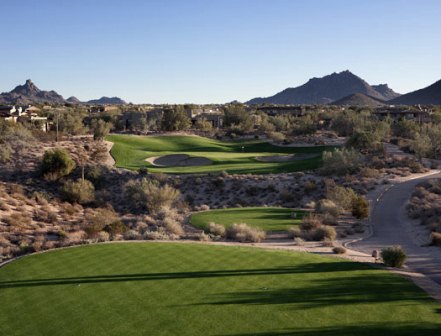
360, 207
56, 164
79, 191
341, 162
393, 256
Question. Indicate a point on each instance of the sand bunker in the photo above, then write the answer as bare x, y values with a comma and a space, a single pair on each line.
285, 158
178, 160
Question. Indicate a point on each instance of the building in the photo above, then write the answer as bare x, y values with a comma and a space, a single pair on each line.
23, 115
214, 116
396, 113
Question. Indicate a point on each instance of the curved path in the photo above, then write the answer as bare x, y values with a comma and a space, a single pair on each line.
391, 226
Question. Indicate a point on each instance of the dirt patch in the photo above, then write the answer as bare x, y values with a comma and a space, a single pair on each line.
285, 158
178, 160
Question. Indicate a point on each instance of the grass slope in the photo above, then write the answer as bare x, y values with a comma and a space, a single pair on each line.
192, 289
268, 219
130, 151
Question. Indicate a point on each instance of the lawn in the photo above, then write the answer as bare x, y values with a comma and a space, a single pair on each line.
268, 219
197, 289
131, 151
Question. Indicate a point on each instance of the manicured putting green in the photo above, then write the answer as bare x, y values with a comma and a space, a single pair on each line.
196, 289
131, 152
268, 219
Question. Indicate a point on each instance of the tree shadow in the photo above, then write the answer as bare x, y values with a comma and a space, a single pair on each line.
377, 329
373, 288
305, 268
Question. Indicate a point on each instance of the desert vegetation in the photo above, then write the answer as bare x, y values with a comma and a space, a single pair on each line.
425, 205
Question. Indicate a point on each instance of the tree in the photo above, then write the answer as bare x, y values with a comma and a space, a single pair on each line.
175, 119
71, 123
341, 161
56, 164
422, 146
100, 129
203, 125
360, 207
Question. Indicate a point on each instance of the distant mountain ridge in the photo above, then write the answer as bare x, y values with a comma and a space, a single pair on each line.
428, 95
107, 101
29, 93
327, 89
359, 99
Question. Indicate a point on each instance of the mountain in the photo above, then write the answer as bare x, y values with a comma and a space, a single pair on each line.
73, 100
323, 90
359, 99
107, 101
30, 94
429, 95
386, 91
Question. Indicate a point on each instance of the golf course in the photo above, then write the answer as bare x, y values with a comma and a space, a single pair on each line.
265, 218
196, 289
194, 154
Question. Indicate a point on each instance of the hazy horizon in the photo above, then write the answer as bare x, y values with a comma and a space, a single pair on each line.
198, 52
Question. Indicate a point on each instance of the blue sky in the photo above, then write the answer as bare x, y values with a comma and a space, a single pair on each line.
214, 51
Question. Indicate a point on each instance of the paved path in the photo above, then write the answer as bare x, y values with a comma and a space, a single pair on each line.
391, 226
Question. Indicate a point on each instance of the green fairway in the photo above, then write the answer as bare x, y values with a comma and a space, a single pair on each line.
268, 219
196, 289
131, 151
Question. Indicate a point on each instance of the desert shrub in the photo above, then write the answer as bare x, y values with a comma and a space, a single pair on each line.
369, 172
204, 207
310, 222
103, 236
245, 233
298, 241
435, 238
310, 186
173, 227
132, 235
326, 206
324, 232
329, 219
150, 195
339, 250
294, 232
341, 196
341, 162
56, 163
115, 228
79, 191
360, 207
156, 235
276, 136
216, 229
99, 220
393, 256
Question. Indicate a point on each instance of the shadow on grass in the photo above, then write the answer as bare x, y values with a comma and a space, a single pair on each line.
326, 291
305, 268
377, 329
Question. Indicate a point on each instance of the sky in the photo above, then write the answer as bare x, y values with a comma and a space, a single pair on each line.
214, 51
